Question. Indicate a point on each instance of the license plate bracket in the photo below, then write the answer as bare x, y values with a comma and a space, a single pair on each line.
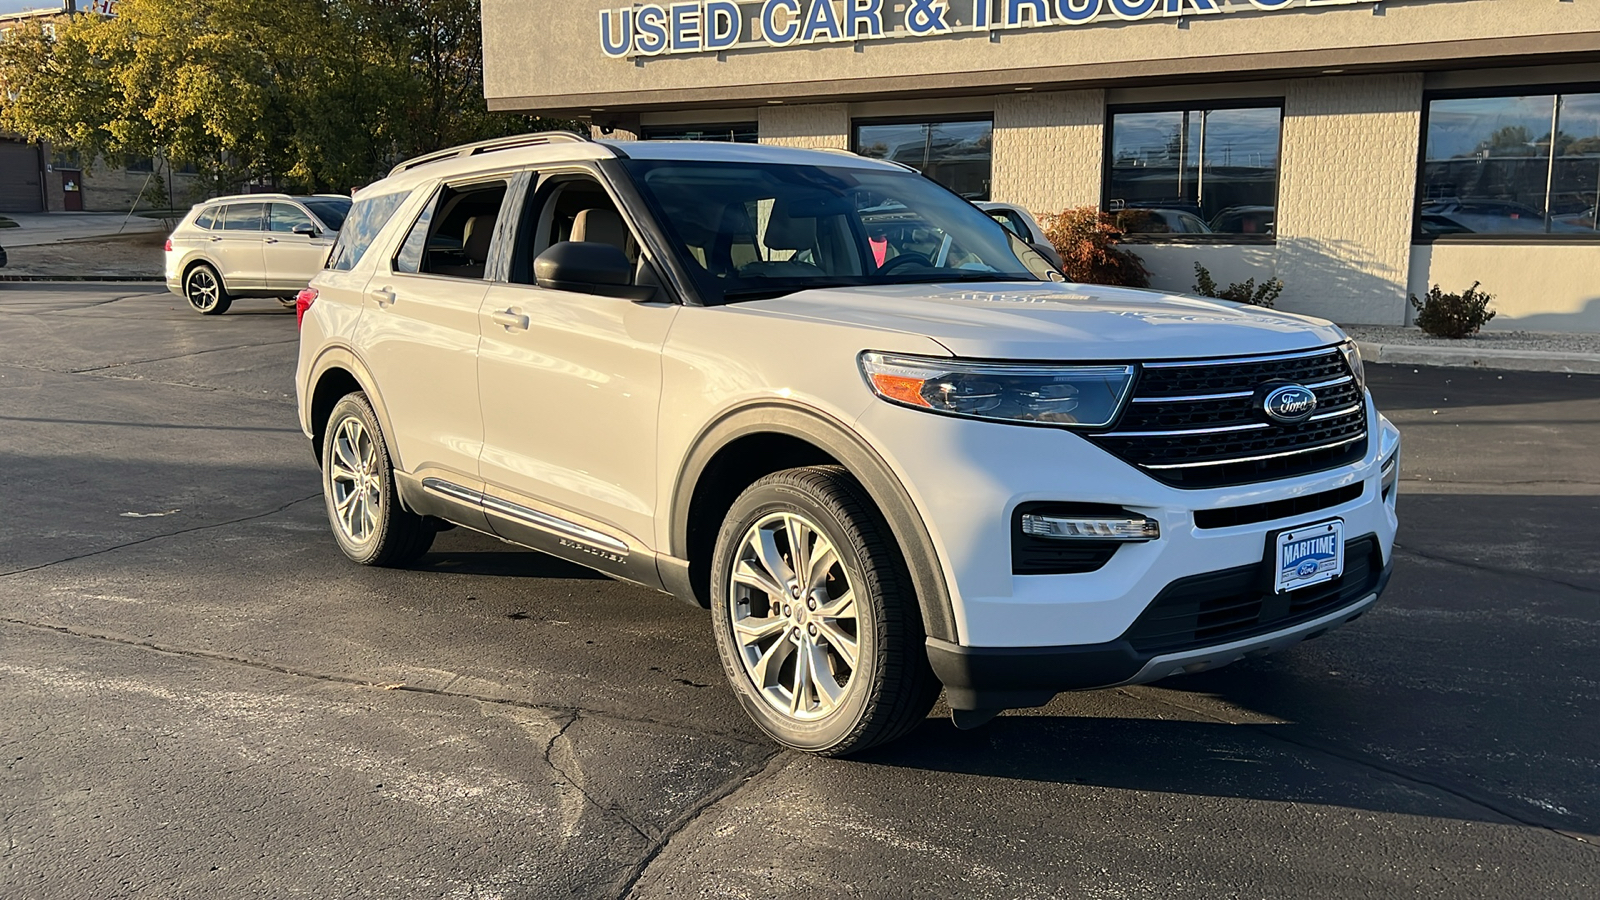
1307, 555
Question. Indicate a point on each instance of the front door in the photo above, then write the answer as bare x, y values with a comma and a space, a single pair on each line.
571, 385
71, 190
292, 259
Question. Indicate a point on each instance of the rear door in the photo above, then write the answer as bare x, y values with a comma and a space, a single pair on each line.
239, 246
419, 332
292, 259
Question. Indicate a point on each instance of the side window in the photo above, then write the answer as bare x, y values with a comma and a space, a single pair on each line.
242, 217
367, 217
454, 232
571, 208
285, 217
207, 218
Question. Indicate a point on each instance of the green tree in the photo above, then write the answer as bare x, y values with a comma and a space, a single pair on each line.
308, 94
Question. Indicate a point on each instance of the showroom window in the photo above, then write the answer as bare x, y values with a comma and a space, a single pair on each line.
743, 133
1187, 171
1516, 166
957, 154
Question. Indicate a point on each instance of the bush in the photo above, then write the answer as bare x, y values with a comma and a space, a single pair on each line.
1266, 295
1086, 238
1453, 315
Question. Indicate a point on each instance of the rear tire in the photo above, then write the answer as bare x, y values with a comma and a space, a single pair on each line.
203, 288
359, 491
829, 660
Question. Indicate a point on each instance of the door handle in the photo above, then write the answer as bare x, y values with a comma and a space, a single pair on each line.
272, 240
214, 239
384, 297
510, 318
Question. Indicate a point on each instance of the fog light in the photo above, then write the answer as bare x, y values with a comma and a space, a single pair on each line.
1091, 528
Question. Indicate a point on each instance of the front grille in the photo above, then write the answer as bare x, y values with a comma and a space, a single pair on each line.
1198, 424
1234, 604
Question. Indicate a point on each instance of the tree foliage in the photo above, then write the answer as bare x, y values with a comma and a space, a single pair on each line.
1087, 240
309, 94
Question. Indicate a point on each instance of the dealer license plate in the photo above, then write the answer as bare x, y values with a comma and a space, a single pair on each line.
1310, 555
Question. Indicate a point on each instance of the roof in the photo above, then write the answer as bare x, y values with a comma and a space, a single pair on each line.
547, 147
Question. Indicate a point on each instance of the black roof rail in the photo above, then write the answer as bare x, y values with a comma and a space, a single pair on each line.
505, 143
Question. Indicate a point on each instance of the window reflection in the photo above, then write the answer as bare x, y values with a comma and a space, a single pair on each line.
1511, 165
1195, 171
733, 134
958, 155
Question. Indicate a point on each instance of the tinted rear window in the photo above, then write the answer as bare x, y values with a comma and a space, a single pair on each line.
367, 217
331, 210
243, 217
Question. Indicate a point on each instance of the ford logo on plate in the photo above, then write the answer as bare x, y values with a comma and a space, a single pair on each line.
1289, 403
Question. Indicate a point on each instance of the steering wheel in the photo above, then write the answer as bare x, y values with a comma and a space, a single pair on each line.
904, 258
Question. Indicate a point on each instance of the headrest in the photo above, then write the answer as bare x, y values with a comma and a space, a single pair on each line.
785, 232
476, 237
601, 226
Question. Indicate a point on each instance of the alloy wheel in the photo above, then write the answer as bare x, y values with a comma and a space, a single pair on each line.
794, 616
202, 289
356, 482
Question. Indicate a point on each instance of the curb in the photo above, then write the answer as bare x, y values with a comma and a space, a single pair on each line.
1481, 358
114, 278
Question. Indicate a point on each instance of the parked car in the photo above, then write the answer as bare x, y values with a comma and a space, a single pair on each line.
2, 257
1245, 220
883, 468
1476, 216
251, 245
1137, 220
1021, 223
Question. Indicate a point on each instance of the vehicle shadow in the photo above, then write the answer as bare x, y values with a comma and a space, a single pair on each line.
465, 552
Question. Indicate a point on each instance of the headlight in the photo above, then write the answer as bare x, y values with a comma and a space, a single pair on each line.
1352, 358
1073, 396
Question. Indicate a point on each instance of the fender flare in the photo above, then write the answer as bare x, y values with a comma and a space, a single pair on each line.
340, 356
858, 457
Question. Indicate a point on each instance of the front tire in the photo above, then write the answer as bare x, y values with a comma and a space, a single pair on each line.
202, 287
359, 491
815, 617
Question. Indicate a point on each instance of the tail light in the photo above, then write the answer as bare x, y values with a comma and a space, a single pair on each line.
302, 302
169, 245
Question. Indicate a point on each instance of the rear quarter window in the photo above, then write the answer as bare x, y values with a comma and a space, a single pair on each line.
367, 217
207, 218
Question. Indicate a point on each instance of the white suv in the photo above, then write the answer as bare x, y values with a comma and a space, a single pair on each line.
251, 245
847, 411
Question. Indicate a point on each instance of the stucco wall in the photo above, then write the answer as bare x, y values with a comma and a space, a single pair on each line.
546, 55
1047, 149
1548, 287
1345, 195
809, 126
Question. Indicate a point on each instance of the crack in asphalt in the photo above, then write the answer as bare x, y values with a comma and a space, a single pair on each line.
1494, 570
553, 710
140, 362
156, 537
607, 809
91, 373
1353, 758
769, 769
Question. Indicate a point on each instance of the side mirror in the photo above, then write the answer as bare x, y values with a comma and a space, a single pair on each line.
305, 228
1050, 255
587, 267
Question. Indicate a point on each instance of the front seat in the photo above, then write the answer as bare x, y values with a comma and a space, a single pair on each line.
603, 226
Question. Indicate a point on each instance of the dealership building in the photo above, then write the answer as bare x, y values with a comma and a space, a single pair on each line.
1360, 151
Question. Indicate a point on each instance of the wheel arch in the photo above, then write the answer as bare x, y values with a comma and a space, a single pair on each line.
196, 261
748, 443
336, 373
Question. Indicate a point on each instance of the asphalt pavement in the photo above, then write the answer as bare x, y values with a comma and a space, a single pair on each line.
200, 697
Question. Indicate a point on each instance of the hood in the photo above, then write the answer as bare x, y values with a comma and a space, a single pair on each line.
1069, 322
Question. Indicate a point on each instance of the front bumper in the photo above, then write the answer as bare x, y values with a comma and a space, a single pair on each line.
988, 678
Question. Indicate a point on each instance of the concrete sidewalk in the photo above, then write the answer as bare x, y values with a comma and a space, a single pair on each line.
1518, 351
36, 229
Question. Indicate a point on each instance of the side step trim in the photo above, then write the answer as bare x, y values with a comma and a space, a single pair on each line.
540, 520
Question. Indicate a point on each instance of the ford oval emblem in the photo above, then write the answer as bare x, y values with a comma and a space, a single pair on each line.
1289, 403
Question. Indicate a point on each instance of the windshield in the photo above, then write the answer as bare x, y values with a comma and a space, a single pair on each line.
750, 231
331, 211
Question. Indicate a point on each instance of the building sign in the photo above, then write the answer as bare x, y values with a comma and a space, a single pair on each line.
714, 26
